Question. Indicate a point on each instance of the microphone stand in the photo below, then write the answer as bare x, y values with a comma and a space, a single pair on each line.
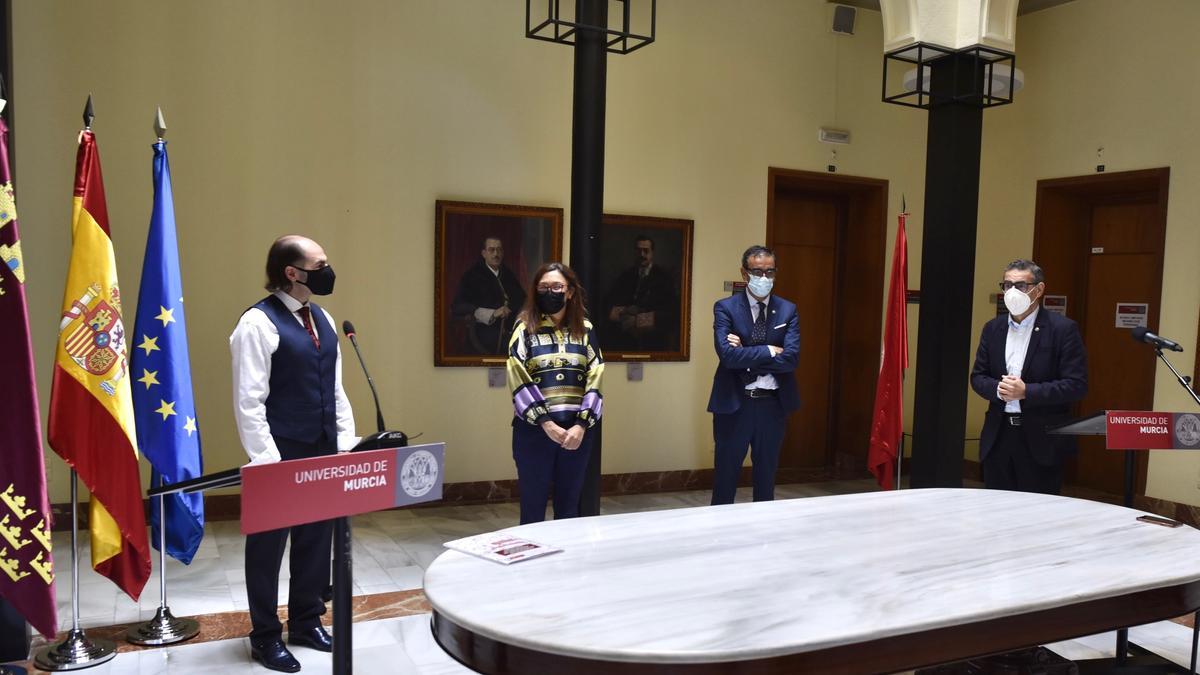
380, 426
1183, 381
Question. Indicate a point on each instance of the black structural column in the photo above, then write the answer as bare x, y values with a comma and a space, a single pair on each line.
944, 340
587, 184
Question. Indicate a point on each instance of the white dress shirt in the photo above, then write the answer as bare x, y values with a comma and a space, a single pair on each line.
765, 381
254, 340
1015, 347
485, 315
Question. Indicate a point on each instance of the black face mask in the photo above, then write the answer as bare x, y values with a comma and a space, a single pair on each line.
320, 281
551, 302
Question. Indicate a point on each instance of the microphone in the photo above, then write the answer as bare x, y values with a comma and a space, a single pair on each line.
348, 329
1142, 335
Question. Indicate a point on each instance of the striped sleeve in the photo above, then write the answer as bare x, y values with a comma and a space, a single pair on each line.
593, 403
528, 402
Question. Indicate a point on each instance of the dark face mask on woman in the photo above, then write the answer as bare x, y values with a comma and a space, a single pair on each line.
551, 302
319, 281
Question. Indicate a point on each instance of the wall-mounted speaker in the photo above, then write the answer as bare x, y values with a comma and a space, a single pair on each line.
843, 19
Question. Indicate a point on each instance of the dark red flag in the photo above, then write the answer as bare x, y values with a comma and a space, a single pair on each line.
26, 570
887, 426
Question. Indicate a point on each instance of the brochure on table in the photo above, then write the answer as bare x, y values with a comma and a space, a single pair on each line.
500, 547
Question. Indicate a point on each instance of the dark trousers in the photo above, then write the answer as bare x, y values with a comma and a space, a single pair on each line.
758, 424
542, 467
308, 562
1009, 465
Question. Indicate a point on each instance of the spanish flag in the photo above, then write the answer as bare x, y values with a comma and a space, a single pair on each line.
91, 407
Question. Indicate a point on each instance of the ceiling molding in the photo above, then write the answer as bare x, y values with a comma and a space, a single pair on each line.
1026, 6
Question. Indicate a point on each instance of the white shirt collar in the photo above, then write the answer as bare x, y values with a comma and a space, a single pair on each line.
754, 301
1026, 323
493, 271
291, 303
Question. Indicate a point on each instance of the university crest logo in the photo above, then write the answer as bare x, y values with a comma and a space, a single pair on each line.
1187, 430
419, 473
94, 336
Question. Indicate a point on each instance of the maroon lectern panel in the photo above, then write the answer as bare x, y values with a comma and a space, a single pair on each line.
1146, 430
283, 494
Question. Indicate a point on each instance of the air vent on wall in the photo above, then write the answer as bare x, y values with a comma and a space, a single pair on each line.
827, 135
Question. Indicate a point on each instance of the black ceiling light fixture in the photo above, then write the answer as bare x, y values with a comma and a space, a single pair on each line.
978, 75
555, 25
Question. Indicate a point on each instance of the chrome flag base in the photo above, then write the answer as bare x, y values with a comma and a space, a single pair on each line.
163, 629
74, 652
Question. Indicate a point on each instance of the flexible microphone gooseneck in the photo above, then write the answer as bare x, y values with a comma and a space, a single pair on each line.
348, 329
1140, 334
1160, 343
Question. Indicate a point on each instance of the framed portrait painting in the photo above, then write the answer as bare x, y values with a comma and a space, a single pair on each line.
485, 256
644, 282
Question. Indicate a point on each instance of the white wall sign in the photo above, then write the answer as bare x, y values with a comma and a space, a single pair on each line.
1132, 314
1056, 304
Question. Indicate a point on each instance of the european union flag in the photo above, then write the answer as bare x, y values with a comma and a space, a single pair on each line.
163, 404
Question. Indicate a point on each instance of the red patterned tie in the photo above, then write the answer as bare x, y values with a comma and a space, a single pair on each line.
308, 326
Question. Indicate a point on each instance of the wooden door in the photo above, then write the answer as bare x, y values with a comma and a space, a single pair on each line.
1124, 266
806, 242
829, 233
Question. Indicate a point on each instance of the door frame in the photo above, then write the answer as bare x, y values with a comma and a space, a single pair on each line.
1087, 191
867, 211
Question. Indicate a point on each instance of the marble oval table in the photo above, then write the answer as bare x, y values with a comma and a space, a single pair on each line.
873, 582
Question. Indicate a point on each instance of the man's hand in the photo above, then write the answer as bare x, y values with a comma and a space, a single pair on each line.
1012, 388
572, 438
615, 313
555, 432
502, 312
733, 340
775, 351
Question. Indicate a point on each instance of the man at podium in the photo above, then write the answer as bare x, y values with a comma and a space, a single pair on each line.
1031, 366
289, 404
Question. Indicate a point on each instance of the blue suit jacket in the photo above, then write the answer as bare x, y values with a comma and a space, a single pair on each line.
732, 315
1055, 375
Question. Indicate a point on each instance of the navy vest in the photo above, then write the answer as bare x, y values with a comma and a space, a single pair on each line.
301, 405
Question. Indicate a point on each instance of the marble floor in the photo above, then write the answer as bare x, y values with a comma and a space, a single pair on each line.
391, 631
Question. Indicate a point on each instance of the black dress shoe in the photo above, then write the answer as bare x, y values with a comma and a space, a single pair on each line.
313, 638
274, 656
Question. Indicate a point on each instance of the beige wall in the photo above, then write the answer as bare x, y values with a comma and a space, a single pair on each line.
345, 121
1120, 75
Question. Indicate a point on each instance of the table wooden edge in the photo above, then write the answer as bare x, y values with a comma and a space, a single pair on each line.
884, 655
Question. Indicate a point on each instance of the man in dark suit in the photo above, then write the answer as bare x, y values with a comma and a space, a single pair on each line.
1031, 366
642, 305
757, 338
488, 298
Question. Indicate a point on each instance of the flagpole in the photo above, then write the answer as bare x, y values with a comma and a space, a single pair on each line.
76, 650
164, 628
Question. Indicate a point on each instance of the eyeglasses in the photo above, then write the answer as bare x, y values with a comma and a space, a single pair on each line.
551, 288
769, 273
1022, 286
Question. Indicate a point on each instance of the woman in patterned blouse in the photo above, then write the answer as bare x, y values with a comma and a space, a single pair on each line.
554, 369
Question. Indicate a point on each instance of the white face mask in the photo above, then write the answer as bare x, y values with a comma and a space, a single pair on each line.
760, 286
1016, 302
